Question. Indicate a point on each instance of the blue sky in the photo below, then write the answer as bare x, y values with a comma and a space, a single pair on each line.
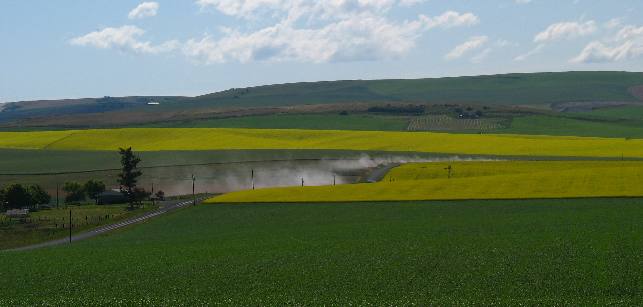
70, 49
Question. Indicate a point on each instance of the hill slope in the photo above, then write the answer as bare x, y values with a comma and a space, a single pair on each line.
511, 89
541, 90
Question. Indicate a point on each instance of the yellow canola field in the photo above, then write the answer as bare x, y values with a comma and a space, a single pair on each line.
471, 180
154, 139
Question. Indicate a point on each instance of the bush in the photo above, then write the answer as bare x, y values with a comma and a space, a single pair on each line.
94, 188
17, 196
75, 192
38, 195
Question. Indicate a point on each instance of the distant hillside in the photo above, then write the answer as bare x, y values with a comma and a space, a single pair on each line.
542, 90
48, 108
508, 89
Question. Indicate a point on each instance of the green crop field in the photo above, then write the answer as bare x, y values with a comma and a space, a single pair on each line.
297, 121
154, 139
537, 252
624, 112
581, 125
470, 180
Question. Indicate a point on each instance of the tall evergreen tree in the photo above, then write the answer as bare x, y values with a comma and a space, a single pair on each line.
128, 178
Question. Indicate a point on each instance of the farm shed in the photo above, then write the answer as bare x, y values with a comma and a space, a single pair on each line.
111, 197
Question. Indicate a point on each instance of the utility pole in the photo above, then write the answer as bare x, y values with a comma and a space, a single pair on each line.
302, 181
193, 194
152, 197
70, 226
334, 181
252, 178
449, 169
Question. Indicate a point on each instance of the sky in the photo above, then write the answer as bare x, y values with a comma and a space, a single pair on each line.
78, 48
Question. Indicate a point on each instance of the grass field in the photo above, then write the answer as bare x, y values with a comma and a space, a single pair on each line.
470, 180
154, 139
538, 252
298, 121
52, 224
25, 161
623, 112
584, 125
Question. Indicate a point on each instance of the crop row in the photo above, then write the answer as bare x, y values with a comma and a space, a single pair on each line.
447, 123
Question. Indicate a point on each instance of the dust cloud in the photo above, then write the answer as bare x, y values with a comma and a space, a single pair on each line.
234, 177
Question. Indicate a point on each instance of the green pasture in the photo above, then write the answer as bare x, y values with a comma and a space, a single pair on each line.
52, 224
297, 121
536, 252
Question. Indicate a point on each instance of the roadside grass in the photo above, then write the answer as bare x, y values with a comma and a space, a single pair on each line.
529, 252
155, 139
45, 225
470, 180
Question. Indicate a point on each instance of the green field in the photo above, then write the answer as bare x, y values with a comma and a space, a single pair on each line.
582, 125
26, 161
52, 224
624, 112
539, 252
470, 180
177, 139
297, 121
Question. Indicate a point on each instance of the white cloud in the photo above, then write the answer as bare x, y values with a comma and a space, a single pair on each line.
629, 32
317, 31
125, 38
522, 1
295, 8
411, 2
472, 44
481, 56
614, 23
530, 53
627, 44
450, 19
145, 9
565, 30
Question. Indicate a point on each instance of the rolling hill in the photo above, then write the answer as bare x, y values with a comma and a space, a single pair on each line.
535, 90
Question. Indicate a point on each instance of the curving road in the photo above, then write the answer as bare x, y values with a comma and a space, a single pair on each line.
164, 208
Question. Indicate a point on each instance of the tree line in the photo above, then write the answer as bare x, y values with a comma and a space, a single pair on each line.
16, 196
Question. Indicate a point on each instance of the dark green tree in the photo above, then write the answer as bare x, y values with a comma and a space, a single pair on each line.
16, 196
94, 188
38, 196
128, 178
75, 192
